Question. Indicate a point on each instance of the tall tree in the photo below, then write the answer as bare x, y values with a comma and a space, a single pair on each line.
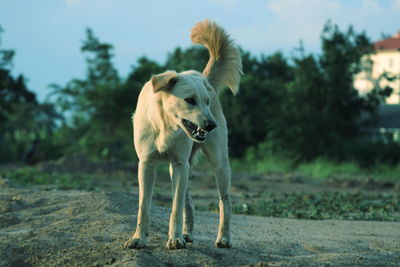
249, 114
322, 109
22, 119
100, 106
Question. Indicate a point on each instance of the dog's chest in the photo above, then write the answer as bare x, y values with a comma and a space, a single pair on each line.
167, 141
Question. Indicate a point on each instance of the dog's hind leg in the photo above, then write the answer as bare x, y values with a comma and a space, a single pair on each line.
218, 157
146, 178
188, 212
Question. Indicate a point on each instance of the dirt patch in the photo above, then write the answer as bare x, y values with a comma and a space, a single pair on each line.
80, 228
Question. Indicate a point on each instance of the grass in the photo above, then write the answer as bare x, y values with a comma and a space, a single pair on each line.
318, 169
337, 205
343, 206
322, 168
328, 205
27, 176
270, 164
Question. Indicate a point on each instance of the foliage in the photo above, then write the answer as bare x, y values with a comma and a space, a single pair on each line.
297, 205
100, 106
22, 119
319, 206
261, 161
324, 168
303, 108
249, 114
321, 108
193, 58
29, 176
378, 156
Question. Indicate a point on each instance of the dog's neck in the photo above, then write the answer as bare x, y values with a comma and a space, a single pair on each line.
164, 128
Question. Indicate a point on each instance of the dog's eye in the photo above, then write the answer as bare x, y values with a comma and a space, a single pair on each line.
191, 101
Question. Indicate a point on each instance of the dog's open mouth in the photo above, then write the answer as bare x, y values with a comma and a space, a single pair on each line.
195, 132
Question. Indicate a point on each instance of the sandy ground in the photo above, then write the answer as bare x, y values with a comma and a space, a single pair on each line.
78, 228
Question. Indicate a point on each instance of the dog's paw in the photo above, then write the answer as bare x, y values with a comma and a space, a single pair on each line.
188, 238
223, 243
135, 243
177, 243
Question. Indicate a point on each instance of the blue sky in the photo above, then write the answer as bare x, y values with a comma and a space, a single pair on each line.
47, 34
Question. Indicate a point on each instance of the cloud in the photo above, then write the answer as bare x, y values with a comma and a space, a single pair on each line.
396, 5
370, 7
284, 6
295, 20
304, 15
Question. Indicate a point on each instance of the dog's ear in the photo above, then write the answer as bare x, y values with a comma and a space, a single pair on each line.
164, 81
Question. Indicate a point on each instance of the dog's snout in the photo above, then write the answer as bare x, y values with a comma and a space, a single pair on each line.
210, 125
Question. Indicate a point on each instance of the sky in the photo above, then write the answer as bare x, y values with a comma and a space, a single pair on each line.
47, 34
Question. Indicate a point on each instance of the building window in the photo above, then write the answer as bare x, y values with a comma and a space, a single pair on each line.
390, 62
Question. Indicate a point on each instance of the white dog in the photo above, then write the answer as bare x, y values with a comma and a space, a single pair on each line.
176, 115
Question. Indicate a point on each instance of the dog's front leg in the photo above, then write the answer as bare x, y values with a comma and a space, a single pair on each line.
179, 172
146, 177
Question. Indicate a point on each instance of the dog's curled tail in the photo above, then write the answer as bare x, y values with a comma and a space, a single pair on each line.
225, 64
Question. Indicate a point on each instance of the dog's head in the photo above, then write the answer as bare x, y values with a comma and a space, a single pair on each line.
185, 97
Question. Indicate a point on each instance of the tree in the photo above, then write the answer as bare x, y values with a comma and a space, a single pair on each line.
101, 105
305, 107
192, 58
261, 92
322, 110
22, 119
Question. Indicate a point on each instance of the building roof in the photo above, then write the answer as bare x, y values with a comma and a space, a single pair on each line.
391, 43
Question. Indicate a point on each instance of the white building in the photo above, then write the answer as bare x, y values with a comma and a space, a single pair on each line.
386, 59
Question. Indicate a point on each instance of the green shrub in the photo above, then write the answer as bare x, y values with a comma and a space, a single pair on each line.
332, 205
31, 176
324, 168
